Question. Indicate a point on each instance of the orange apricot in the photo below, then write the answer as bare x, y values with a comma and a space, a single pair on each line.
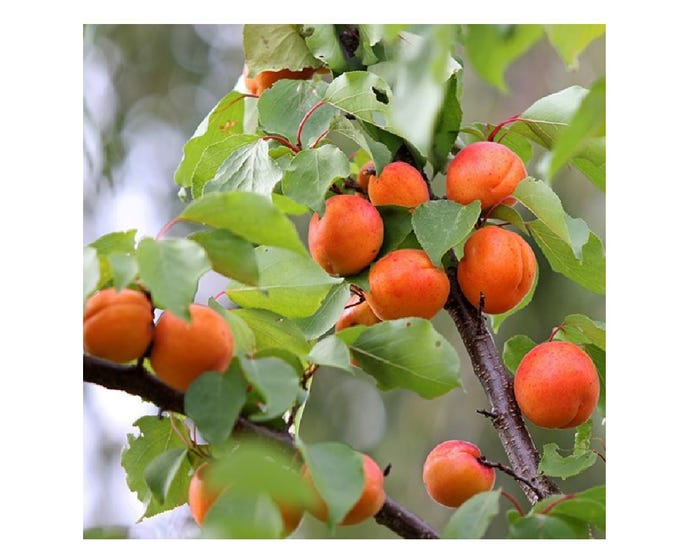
498, 263
364, 174
556, 385
356, 312
405, 283
485, 171
368, 504
452, 474
265, 80
182, 350
399, 184
200, 495
117, 325
348, 236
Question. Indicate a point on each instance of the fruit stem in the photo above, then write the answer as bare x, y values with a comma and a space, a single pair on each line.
508, 496
555, 331
303, 122
167, 227
281, 140
498, 127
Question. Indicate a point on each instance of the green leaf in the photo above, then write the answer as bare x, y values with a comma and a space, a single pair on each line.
214, 401
229, 254
380, 147
224, 121
592, 331
276, 47
570, 40
162, 470
124, 269
589, 272
111, 532
154, 438
91, 271
244, 339
362, 94
556, 465
325, 316
598, 357
282, 108
214, 156
514, 350
473, 517
108, 245
311, 174
538, 197
448, 122
441, 225
510, 215
252, 216
323, 42
587, 506
398, 223
171, 269
546, 119
237, 514
493, 48
408, 353
333, 352
290, 284
338, 475
276, 381
288, 206
274, 331
587, 123
539, 526
497, 320
250, 168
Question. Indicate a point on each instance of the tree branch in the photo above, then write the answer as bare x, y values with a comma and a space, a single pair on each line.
498, 386
137, 381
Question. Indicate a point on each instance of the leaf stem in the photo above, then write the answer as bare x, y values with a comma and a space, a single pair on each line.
306, 118
499, 126
508, 496
281, 140
167, 228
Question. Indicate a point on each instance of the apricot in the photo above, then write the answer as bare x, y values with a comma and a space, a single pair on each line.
368, 504
452, 474
348, 236
364, 174
399, 184
117, 325
182, 350
405, 283
556, 385
485, 171
264, 80
498, 263
356, 312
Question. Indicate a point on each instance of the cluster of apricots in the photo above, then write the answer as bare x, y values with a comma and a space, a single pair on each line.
202, 495
119, 326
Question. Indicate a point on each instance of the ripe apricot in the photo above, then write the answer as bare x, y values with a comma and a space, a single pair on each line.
264, 80
399, 184
348, 236
117, 325
200, 495
405, 283
556, 385
485, 171
368, 504
364, 174
356, 312
183, 350
452, 474
498, 263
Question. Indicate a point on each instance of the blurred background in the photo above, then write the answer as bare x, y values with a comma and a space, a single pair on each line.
145, 89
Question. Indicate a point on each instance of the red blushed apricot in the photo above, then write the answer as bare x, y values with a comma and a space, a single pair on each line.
452, 474
291, 517
399, 184
117, 325
348, 236
356, 312
264, 80
556, 385
405, 283
485, 171
498, 263
200, 496
363, 176
369, 503
182, 350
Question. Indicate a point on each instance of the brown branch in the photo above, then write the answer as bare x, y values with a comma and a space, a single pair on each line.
498, 386
137, 381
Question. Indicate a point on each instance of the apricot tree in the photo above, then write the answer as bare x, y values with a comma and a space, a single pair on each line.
344, 177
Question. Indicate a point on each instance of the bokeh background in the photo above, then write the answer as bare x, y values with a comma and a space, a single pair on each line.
146, 88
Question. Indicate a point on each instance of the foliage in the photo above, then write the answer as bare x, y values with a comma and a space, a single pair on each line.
252, 173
